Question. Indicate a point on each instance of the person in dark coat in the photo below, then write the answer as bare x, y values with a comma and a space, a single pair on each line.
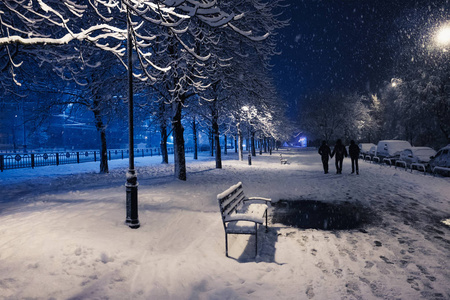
325, 153
340, 151
353, 151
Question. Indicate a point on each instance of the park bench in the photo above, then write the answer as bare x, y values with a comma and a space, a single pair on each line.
283, 161
242, 215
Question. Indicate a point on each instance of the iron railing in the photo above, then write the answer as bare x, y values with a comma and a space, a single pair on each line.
10, 161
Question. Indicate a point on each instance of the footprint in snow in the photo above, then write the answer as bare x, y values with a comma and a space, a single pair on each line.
310, 292
386, 260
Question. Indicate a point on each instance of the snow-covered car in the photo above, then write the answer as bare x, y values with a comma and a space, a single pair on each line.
417, 155
391, 149
441, 159
364, 148
372, 151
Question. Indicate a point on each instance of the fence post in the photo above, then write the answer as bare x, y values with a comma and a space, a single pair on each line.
78, 157
57, 158
2, 165
109, 154
95, 156
32, 160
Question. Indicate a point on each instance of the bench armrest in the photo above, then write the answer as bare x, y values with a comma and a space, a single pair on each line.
244, 217
259, 199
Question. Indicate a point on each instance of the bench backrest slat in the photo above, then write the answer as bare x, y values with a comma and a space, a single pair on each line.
231, 200
234, 204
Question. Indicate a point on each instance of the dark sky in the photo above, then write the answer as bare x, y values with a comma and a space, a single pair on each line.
338, 45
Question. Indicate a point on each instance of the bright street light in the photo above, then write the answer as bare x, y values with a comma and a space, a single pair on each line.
395, 82
443, 36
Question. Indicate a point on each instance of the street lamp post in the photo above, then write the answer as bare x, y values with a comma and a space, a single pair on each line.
131, 185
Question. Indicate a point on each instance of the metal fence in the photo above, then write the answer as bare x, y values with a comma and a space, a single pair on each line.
31, 160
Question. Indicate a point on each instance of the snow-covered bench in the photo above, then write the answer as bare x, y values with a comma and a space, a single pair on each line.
241, 215
283, 161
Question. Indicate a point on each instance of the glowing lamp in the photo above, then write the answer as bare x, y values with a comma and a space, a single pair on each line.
443, 36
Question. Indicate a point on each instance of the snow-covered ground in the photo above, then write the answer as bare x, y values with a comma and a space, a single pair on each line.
62, 233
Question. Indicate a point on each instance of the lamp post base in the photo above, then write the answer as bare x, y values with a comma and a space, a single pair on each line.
132, 219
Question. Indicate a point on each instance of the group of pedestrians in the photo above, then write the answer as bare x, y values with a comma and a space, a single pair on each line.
339, 152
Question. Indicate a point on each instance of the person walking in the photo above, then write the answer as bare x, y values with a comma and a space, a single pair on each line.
340, 151
325, 153
353, 151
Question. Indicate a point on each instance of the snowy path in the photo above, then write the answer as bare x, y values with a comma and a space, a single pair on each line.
62, 234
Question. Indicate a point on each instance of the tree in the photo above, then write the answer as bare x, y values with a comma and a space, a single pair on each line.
187, 32
423, 73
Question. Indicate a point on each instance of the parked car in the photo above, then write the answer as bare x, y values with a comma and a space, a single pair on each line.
373, 151
364, 148
391, 149
418, 155
441, 159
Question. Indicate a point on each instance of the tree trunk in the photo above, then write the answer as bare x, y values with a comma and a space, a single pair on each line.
235, 145
253, 144
260, 146
163, 145
178, 142
194, 132
215, 127
211, 142
164, 135
101, 128
225, 151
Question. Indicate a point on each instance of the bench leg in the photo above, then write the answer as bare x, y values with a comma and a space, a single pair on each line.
226, 244
256, 241
266, 220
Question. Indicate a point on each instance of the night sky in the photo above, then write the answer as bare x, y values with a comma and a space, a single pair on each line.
345, 45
